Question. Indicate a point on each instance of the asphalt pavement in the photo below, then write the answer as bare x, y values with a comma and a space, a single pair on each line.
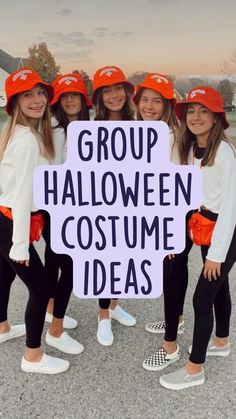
109, 382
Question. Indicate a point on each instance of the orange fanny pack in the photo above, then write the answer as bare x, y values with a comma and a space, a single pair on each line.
36, 223
200, 228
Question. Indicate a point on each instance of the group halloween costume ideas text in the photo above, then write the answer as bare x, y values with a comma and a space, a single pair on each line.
31, 138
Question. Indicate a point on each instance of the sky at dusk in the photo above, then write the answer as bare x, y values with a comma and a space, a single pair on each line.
169, 36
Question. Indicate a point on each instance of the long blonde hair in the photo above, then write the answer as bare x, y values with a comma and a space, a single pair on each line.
43, 134
168, 116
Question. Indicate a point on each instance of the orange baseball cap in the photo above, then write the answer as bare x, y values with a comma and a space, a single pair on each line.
208, 97
157, 82
71, 82
106, 76
22, 80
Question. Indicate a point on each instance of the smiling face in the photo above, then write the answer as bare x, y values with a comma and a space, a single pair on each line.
151, 105
71, 104
114, 98
200, 121
33, 103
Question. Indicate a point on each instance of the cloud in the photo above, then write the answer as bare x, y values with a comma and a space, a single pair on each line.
74, 54
76, 38
100, 32
101, 29
122, 33
64, 12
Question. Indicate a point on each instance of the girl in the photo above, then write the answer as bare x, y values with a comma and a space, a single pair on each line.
112, 99
155, 101
26, 142
70, 103
203, 142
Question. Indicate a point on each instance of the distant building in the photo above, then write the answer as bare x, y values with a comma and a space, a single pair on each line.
8, 64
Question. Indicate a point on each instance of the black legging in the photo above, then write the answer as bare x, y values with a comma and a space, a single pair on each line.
175, 283
208, 294
35, 279
105, 302
61, 286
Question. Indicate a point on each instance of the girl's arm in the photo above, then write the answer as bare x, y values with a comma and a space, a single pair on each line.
25, 161
226, 222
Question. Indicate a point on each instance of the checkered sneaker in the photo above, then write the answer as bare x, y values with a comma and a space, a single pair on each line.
161, 359
160, 327
155, 327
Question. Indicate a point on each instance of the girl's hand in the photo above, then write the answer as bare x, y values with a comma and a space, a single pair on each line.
211, 270
22, 262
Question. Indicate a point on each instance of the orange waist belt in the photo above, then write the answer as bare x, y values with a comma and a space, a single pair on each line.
36, 223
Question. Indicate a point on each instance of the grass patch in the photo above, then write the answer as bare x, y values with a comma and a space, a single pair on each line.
231, 118
3, 115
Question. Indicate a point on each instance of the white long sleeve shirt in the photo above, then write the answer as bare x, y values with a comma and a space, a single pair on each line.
219, 196
21, 157
59, 140
173, 149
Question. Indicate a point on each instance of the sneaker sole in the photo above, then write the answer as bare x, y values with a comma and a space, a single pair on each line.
20, 335
221, 354
180, 332
104, 342
69, 327
181, 386
65, 325
154, 331
66, 351
32, 370
123, 322
161, 367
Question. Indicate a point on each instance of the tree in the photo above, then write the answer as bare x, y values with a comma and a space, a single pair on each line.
137, 77
229, 66
225, 87
87, 80
41, 60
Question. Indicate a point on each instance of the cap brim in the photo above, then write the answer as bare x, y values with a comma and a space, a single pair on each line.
29, 86
56, 97
143, 86
109, 83
180, 108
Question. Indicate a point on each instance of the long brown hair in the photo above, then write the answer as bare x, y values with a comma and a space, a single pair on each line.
103, 114
62, 118
168, 116
43, 134
187, 140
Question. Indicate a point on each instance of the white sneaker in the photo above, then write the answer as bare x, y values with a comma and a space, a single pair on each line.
180, 379
68, 322
65, 343
160, 327
104, 333
15, 332
47, 365
120, 315
213, 350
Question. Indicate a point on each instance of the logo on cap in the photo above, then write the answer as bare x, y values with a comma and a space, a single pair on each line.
22, 75
197, 92
68, 80
108, 71
160, 79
